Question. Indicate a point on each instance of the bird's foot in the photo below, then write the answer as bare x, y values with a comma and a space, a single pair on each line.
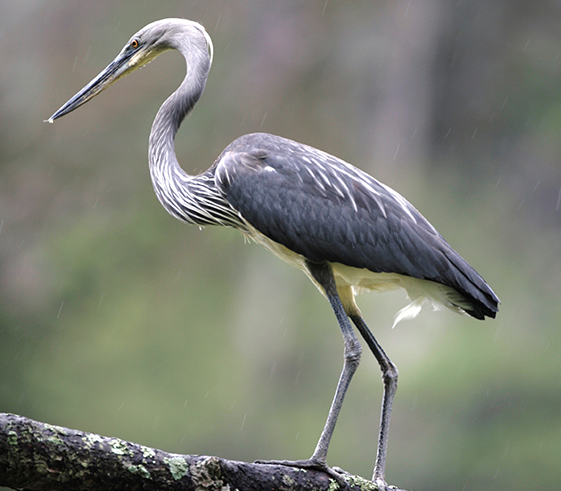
334, 473
382, 485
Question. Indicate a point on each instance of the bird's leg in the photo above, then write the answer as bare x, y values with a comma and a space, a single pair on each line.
389, 376
352, 352
323, 274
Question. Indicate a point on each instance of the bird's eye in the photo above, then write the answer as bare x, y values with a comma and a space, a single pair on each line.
134, 43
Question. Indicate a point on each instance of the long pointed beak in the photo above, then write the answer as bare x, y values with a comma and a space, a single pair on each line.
118, 68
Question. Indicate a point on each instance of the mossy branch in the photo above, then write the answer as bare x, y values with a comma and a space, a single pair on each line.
40, 456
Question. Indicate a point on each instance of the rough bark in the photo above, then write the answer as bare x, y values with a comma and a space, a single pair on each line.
40, 456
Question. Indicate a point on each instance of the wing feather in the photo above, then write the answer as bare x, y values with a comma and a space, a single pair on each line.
327, 210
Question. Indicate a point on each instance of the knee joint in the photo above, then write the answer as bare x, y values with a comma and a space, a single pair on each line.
353, 352
390, 375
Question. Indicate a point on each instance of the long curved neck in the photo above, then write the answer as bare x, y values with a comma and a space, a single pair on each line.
164, 167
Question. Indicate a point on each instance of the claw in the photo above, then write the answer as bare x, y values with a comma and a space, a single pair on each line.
336, 473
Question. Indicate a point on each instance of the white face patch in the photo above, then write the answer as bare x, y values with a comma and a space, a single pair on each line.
136, 59
142, 58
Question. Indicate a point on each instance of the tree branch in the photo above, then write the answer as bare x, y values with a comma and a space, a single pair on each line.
40, 456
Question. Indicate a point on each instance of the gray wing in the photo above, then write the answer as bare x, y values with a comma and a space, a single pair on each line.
327, 210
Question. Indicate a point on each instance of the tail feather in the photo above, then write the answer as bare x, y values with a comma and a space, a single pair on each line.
470, 291
459, 299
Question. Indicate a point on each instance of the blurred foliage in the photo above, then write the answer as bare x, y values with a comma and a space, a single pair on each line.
117, 319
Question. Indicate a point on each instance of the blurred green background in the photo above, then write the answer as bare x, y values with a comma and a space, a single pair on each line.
117, 319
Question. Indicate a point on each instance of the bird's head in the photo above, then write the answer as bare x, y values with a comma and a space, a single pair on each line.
142, 48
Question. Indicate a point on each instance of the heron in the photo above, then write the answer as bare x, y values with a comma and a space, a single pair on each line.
348, 232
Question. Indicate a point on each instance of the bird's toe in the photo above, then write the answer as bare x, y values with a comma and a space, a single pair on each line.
336, 474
